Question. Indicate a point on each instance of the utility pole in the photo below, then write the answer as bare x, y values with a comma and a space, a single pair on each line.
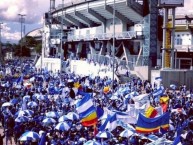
21, 21
1, 55
113, 77
61, 40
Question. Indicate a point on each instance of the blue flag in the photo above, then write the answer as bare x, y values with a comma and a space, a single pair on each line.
99, 111
150, 125
43, 139
110, 123
177, 140
20, 79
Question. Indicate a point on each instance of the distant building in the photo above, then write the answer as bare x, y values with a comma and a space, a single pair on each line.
36, 33
86, 28
184, 41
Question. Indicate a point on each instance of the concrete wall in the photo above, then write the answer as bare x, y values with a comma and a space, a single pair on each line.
51, 64
88, 31
154, 74
177, 77
143, 72
83, 68
118, 26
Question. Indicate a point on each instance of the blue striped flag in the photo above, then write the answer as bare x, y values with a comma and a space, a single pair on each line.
110, 123
100, 112
150, 125
87, 110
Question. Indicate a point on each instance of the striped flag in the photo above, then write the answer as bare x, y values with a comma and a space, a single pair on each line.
87, 111
149, 125
151, 112
110, 123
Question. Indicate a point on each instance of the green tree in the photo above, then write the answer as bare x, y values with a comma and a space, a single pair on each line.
38, 48
9, 46
28, 42
26, 51
16, 49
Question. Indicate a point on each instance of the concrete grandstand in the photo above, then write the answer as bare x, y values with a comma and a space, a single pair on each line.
128, 30
88, 29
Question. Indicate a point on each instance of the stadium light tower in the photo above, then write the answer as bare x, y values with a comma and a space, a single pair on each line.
21, 19
52, 5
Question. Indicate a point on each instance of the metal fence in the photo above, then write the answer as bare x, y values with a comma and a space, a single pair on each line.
105, 36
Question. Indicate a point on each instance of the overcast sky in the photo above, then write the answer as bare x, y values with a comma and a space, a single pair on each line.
34, 10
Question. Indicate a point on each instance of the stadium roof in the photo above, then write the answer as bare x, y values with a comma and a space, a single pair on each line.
89, 13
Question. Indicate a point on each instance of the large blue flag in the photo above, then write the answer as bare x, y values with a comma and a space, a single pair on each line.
150, 125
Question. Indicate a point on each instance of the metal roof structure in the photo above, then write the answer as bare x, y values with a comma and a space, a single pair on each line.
37, 33
89, 13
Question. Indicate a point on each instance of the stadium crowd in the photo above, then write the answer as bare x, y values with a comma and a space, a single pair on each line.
41, 107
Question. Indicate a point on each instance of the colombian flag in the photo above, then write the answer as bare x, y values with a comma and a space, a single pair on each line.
151, 112
152, 125
87, 111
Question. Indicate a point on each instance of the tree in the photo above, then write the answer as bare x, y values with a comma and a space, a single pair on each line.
26, 51
16, 49
28, 42
38, 48
8, 46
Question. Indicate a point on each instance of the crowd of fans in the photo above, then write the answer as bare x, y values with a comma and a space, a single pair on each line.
22, 83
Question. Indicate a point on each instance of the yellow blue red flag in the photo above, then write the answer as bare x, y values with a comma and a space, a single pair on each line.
151, 125
87, 110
